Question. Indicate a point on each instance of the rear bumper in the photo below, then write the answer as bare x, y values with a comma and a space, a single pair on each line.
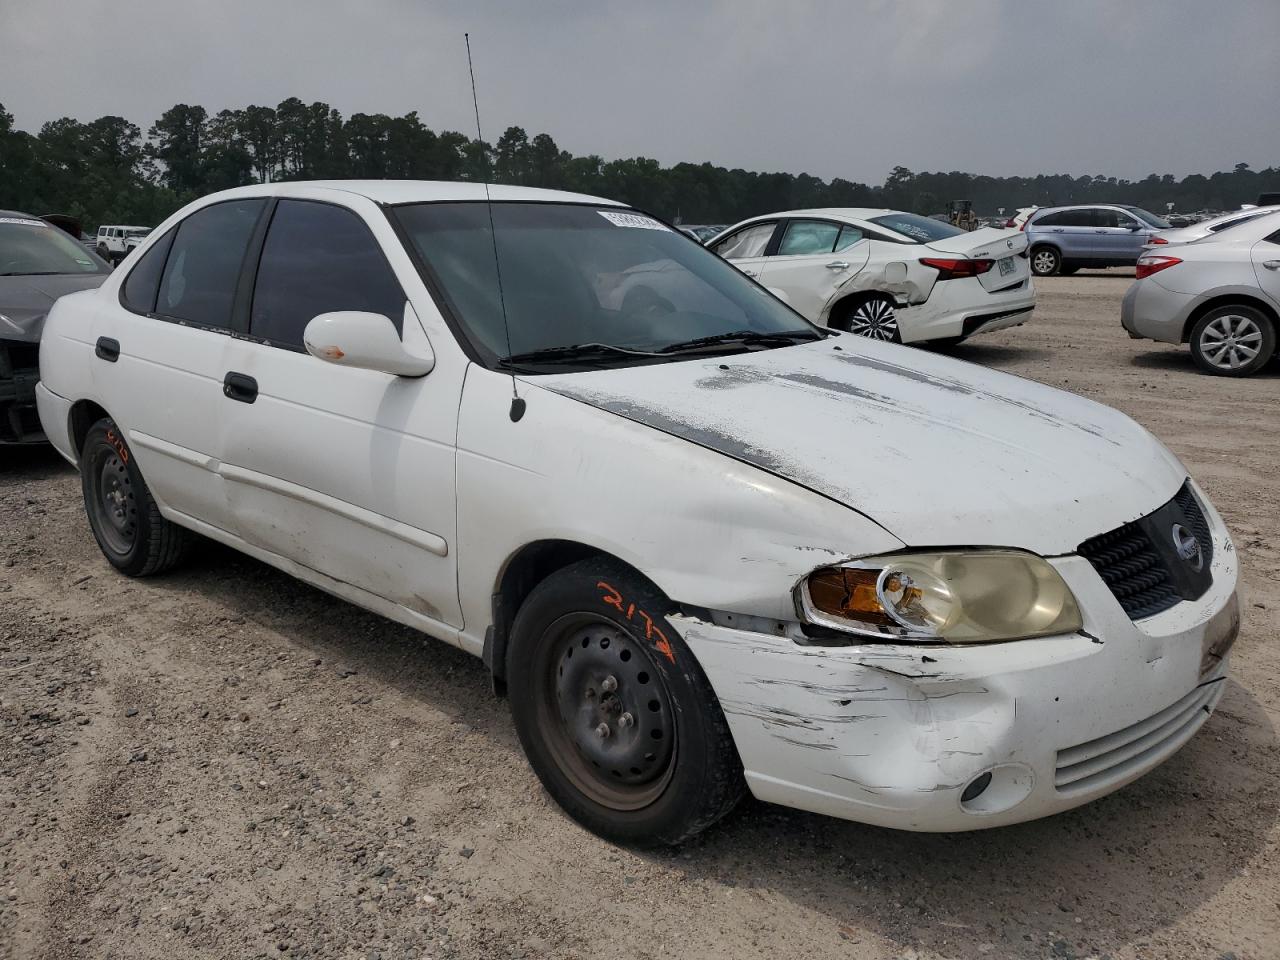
55, 417
1150, 311
962, 308
893, 735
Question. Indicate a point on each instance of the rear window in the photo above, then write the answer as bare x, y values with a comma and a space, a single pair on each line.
203, 268
918, 229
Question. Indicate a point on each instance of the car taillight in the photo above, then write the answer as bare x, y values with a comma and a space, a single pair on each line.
1154, 264
1157, 240
1011, 222
956, 269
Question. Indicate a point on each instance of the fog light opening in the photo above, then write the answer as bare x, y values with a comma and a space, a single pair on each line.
975, 787
997, 790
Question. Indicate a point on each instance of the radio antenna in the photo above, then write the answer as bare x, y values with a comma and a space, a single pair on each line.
517, 402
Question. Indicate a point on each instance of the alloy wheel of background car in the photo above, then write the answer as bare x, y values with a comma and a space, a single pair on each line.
1045, 262
123, 515
875, 319
1233, 341
614, 712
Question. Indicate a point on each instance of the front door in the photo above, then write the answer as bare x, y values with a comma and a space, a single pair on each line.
745, 248
814, 259
348, 472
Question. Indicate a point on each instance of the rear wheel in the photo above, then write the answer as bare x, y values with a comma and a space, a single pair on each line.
123, 515
873, 317
1045, 261
614, 713
1233, 341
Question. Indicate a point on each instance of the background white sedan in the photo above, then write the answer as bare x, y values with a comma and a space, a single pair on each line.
886, 274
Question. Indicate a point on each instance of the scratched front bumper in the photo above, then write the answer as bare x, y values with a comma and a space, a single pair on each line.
892, 734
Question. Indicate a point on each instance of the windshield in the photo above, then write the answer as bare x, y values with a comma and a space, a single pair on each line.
919, 229
577, 275
30, 247
1149, 218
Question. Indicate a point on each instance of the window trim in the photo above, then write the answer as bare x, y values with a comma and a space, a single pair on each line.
249, 273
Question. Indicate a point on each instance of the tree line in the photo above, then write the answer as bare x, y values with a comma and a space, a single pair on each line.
107, 171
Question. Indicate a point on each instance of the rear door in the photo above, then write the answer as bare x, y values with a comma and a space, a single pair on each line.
814, 258
161, 354
745, 248
348, 472
1266, 263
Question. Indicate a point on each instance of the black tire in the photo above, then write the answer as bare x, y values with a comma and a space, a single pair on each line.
1233, 334
669, 773
1045, 261
123, 515
873, 316
1068, 271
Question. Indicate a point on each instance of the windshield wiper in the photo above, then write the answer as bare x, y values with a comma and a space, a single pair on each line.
750, 338
574, 353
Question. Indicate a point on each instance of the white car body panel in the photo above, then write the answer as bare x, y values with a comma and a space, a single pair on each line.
927, 309
1206, 228
724, 481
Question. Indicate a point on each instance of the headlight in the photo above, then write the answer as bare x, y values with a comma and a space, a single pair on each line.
960, 596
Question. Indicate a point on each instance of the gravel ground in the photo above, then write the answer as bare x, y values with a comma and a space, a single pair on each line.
223, 762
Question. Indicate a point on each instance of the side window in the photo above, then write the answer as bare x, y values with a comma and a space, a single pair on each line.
1105, 218
1049, 220
848, 237
808, 237
199, 282
143, 283
318, 258
1274, 238
1076, 218
747, 242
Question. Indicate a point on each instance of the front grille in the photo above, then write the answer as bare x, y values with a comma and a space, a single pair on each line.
1118, 755
1139, 562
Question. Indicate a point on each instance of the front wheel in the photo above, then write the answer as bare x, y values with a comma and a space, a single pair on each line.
1045, 261
614, 713
123, 515
1233, 341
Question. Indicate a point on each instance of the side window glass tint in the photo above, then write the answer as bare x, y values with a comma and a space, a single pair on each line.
1049, 220
143, 282
1077, 218
199, 282
848, 237
318, 258
808, 237
746, 243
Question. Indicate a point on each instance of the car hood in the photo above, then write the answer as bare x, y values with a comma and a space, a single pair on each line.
937, 451
25, 301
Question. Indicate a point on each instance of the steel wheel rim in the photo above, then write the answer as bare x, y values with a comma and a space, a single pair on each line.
115, 505
1044, 261
1231, 341
874, 319
630, 766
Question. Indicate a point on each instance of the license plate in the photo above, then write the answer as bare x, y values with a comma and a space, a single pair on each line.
1006, 265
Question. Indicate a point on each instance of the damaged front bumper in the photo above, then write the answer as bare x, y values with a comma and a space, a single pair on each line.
948, 738
19, 421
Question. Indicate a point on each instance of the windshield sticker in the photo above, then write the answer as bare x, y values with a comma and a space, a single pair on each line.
631, 220
24, 221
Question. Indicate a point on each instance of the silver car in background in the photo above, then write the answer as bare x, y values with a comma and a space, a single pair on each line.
1220, 295
1207, 228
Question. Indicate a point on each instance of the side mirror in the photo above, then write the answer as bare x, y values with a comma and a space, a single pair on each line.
351, 338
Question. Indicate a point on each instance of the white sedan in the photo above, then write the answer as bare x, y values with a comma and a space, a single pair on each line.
704, 545
885, 274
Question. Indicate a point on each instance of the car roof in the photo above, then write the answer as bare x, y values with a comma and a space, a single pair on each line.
1088, 206
834, 213
393, 192
17, 215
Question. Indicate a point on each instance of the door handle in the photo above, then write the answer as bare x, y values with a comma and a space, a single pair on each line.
1099, 231
1058, 230
838, 265
751, 273
107, 349
239, 386
1271, 264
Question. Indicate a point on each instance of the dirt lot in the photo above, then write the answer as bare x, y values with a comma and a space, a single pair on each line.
223, 762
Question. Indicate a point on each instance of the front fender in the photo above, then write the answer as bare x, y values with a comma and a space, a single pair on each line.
709, 530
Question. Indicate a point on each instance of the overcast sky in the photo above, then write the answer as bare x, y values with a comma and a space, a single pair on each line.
848, 89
